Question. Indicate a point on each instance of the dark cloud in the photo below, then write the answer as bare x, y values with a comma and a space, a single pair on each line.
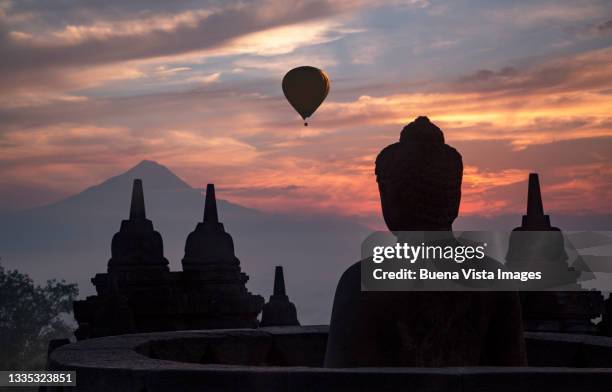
605, 27
149, 110
569, 73
511, 79
499, 155
74, 8
42, 15
488, 75
206, 33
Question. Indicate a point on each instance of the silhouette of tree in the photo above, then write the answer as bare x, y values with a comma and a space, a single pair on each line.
30, 316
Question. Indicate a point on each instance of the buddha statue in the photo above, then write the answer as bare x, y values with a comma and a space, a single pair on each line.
419, 180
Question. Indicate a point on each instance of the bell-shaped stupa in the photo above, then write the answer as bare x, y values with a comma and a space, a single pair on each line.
538, 246
209, 247
137, 246
212, 274
279, 311
560, 305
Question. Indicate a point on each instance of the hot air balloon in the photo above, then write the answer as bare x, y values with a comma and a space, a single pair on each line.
305, 88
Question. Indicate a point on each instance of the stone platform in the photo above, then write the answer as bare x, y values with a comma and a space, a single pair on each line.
289, 359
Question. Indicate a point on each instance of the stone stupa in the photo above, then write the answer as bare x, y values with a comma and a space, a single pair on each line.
279, 311
137, 246
212, 275
561, 305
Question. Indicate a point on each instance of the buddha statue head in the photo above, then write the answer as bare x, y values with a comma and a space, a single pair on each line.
419, 180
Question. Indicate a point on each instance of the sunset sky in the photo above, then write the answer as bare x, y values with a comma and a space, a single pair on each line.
89, 89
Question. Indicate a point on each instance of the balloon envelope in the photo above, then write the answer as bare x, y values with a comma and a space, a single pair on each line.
305, 88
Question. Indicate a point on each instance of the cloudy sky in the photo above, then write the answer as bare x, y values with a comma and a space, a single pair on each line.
91, 88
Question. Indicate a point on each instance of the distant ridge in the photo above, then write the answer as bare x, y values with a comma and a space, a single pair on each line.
155, 176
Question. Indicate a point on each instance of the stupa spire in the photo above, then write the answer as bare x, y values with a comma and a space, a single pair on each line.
535, 218
137, 208
279, 281
534, 197
210, 205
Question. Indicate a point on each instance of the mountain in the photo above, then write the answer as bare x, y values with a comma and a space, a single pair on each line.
71, 239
